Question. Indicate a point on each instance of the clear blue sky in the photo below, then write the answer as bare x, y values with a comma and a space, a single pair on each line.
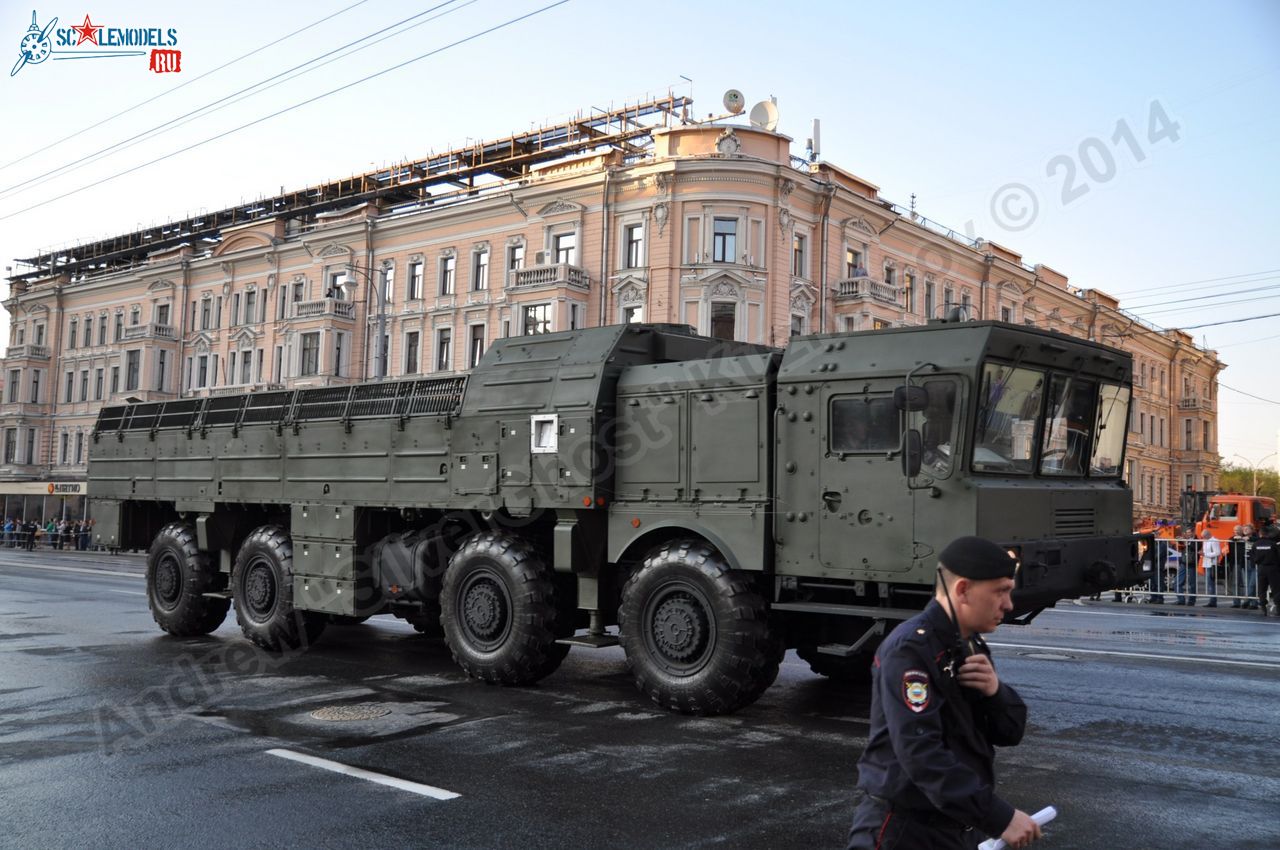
950, 102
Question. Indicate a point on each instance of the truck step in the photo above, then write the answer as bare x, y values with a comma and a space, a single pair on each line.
590, 641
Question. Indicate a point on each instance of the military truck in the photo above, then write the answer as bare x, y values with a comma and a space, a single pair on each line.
717, 502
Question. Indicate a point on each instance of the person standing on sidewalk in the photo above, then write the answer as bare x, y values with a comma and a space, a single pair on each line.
1266, 557
1210, 555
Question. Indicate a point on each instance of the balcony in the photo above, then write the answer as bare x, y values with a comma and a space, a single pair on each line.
1195, 402
560, 274
27, 352
149, 331
867, 289
323, 307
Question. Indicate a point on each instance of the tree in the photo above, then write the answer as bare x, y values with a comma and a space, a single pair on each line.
1239, 479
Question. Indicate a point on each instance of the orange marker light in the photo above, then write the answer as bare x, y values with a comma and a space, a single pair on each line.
635, 522
586, 501
600, 501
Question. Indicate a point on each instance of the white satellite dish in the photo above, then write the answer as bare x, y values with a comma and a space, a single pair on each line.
734, 102
764, 115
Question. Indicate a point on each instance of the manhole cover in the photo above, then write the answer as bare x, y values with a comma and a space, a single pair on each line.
341, 713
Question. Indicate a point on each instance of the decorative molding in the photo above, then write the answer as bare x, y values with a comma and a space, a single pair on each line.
724, 289
784, 219
660, 215
333, 249
860, 225
560, 207
663, 182
728, 143
160, 283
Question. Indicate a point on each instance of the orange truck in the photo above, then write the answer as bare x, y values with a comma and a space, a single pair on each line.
1228, 510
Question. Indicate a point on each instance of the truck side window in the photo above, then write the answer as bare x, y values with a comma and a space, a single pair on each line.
936, 424
864, 424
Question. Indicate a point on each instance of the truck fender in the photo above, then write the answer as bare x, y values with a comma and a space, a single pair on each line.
674, 529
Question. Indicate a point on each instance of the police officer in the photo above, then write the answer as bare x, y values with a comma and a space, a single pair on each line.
1266, 559
937, 709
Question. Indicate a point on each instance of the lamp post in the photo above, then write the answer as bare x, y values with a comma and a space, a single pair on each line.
379, 352
1254, 467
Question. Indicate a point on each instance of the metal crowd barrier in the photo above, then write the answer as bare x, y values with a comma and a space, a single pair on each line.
42, 539
1182, 578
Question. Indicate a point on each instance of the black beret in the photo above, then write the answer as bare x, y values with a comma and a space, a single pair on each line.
977, 558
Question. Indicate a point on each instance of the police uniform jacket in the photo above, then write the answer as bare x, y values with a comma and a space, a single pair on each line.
931, 749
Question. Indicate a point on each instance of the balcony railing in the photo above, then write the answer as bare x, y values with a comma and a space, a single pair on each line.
29, 352
867, 288
1195, 402
559, 274
149, 331
324, 307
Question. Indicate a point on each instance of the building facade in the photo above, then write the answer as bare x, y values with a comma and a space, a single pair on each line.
710, 225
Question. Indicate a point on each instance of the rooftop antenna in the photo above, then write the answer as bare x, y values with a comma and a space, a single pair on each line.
764, 116
913, 205
734, 102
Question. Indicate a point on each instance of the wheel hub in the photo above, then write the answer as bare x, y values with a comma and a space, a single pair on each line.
168, 580
260, 589
484, 609
680, 627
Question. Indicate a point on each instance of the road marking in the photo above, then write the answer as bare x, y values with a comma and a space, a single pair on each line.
360, 773
1193, 658
73, 570
129, 592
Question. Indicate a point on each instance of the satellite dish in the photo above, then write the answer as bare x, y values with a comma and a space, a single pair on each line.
764, 115
734, 101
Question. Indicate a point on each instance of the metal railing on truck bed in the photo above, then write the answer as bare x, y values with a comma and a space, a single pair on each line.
391, 399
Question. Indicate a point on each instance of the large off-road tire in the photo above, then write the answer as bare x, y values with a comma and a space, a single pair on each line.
178, 576
500, 611
695, 632
855, 669
262, 586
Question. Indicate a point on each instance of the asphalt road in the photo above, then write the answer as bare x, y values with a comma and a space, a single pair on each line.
1150, 728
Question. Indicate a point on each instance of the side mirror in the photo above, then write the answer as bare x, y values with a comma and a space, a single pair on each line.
911, 452
909, 399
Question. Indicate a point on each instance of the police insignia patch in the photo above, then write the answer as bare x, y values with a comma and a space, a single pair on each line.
915, 690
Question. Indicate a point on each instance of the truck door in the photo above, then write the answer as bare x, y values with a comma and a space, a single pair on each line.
865, 510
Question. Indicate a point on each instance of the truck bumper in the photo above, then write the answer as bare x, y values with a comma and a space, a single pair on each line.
1050, 570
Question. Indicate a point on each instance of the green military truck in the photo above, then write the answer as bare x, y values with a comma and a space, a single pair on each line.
718, 502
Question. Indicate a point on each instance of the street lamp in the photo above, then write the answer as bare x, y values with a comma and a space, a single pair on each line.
1254, 467
380, 352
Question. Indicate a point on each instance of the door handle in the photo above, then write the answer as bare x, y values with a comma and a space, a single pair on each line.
832, 500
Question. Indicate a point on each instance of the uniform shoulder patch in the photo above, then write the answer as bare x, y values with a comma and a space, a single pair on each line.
915, 690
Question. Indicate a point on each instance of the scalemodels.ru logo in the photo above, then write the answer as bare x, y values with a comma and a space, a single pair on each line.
97, 41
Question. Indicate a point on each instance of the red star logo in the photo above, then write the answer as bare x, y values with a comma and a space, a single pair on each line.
88, 31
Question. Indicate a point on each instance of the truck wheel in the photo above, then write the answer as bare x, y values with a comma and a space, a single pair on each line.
262, 586
855, 668
178, 576
500, 612
695, 632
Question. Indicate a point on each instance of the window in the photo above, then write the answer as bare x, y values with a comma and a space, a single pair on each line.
890, 275
98, 384
62, 452
39, 335
415, 281
102, 329
15, 384
162, 315
206, 314
480, 271
388, 283
22, 335
70, 387
1162, 430
537, 319
909, 292
84, 384
310, 363
299, 291
853, 263
724, 241
132, 367
1188, 441
515, 257
411, 353
1142, 424
797, 324
879, 325
864, 424
71, 336
724, 317
258, 373
251, 306
246, 366
79, 447
633, 237
575, 316
10, 445
339, 353
566, 248
217, 313
447, 267
1069, 426
235, 309
475, 348
35, 387
633, 314
277, 366
119, 328
444, 349
202, 370
928, 299
336, 288
1005, 432
1006, 314
798, 256
135, 314
1207, 442
1189, 481
31, 445
967, 303
948, 298
1113, 403
115, 379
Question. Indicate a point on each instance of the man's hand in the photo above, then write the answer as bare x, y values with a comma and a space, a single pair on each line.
1021, 831
976, 672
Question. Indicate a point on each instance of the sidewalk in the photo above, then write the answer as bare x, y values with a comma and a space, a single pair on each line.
1139, 601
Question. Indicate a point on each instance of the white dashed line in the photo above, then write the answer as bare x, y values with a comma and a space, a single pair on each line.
360, 773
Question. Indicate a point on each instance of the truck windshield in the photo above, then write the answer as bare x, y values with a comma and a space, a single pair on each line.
1068, 429
1113, 418
1008, 405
